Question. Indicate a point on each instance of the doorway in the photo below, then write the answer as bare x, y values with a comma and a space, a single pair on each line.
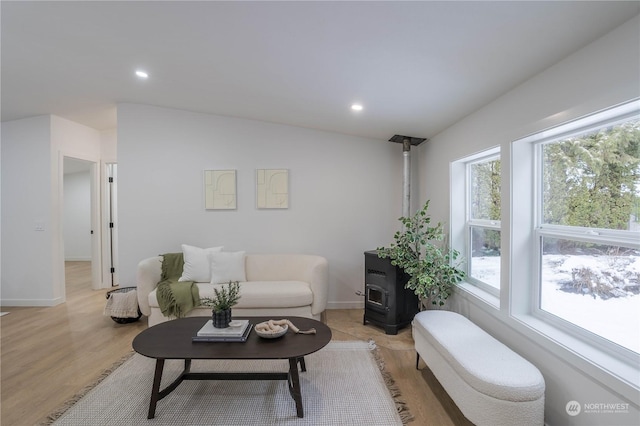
80, 213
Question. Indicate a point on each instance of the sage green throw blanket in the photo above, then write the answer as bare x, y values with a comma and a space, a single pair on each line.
175, 298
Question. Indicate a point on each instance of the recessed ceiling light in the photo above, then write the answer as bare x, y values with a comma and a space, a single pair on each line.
356, 107
142, 74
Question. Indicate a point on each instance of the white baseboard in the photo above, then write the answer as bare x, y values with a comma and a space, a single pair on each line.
31, 302
77, 259
345, 305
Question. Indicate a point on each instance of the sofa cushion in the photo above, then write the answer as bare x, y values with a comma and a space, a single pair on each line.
260, 294
227, 266
269, 294
196, 263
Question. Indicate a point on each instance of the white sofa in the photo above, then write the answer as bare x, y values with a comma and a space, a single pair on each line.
277, 285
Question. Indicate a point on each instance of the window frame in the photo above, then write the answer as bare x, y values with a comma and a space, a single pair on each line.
540, 230
471, 223
460, 226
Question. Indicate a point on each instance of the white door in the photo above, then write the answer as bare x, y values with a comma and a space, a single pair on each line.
110, 225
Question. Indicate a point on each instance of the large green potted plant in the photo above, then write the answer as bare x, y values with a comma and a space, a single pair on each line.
420, 250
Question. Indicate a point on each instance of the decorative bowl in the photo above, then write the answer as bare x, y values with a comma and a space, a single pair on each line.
271, 334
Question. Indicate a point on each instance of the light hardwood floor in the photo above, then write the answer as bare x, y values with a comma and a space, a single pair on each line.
49, 354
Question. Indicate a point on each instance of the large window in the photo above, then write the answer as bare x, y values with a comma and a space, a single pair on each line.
483, 223
587, 229
550, 230
475, 221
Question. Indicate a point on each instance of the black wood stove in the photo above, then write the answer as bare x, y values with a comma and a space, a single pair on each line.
387, 303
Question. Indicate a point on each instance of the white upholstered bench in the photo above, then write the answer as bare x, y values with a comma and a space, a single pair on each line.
490, 384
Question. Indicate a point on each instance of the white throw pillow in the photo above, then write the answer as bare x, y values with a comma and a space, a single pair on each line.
196, 263
227, 266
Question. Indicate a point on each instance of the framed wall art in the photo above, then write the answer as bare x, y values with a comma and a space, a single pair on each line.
272, 188
220, 190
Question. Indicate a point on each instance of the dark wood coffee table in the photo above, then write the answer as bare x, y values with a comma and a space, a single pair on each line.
172, 340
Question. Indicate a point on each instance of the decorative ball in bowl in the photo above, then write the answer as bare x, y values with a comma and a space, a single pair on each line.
270, 331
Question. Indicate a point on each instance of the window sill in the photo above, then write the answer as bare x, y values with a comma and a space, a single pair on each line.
469, 289
614, 373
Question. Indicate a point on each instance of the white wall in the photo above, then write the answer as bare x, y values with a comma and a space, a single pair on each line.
26, 203
32, 161
77, 216
109, 145
602, 74
345, 192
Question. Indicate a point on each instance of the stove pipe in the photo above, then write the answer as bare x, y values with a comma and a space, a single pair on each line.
406, 142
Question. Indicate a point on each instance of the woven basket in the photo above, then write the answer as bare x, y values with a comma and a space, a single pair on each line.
124, 320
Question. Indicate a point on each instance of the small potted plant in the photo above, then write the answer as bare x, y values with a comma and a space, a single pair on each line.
420, 250
225, 298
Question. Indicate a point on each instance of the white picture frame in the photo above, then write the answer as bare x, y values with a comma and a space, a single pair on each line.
220, 191
272, 188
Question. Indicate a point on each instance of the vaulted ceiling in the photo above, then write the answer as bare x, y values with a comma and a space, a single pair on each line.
416, 67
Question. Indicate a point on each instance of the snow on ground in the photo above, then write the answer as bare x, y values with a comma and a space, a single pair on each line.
616, 319
487, 269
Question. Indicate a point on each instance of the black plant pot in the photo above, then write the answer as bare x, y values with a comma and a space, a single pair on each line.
221, 319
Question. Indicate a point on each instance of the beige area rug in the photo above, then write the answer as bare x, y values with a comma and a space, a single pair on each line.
345, 384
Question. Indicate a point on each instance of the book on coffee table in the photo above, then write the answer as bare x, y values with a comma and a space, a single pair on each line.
236, 328
208, 333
